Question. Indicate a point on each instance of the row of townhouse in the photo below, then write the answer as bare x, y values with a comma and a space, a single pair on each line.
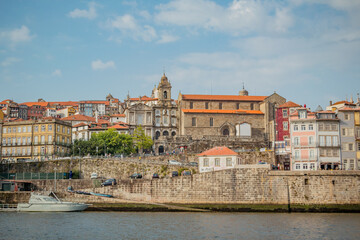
325, 140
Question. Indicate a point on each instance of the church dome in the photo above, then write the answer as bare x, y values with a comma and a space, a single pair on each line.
243, 92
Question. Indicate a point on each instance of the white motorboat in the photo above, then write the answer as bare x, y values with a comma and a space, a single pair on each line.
43, 203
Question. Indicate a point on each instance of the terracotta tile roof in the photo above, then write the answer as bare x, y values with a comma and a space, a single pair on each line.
349, 109
223, 97
118, 126
143, 98
221, 111
79, 125
118, 115
289, 104
218, 151
345, 102
78, 118
44, 104
326, 111
96, 102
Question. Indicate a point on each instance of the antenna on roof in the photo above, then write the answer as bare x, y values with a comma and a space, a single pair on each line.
164, 69
243, 85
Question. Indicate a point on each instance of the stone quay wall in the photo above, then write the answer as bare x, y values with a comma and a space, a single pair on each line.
247, 185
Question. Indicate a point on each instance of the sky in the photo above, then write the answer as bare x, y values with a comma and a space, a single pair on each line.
307, 51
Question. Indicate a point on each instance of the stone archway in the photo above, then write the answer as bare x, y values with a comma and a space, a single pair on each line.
225, 131
161, 149
165, 133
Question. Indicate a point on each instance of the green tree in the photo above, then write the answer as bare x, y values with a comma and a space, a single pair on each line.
141, 141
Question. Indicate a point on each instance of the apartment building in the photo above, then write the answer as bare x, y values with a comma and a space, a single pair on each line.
43, 139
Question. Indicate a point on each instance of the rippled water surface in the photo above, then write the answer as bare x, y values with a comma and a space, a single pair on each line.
141, 225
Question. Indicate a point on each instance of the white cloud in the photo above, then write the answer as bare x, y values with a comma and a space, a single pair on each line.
17, 35
99, 65
9, 61
90, 13
239, 17
167, 38
57, 73
128, 26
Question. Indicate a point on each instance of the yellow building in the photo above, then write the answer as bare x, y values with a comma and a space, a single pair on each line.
42, 139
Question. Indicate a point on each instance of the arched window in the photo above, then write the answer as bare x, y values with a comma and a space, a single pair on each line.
157, 134
165, 94
226, 132
173, 134
165, 133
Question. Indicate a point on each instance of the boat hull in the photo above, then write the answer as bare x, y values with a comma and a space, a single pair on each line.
56, 207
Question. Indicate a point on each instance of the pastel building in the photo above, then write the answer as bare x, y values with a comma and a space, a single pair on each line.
218, 158
304, 151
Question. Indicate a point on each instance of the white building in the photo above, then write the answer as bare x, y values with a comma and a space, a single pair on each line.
218, 158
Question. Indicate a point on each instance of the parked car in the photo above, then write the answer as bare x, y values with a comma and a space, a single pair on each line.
174, 174
174, 162
193, 164
109, 182
94, 176
186, 173
136, 176
155, 175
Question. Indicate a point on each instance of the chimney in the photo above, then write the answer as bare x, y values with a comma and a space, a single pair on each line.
330, 103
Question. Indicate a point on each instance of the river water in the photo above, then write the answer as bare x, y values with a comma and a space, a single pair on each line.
144, 225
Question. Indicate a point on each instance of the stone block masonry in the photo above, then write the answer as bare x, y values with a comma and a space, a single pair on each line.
245, 186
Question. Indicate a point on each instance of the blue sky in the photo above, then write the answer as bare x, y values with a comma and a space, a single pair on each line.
307, 51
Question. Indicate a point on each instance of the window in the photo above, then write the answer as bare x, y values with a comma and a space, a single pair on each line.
19, 129
297, 166
24, 129
36, 139
49, 139
297, 154
328, 140
311, 154
251, 106
237, 105
157, 112
206, 105
335, 152
358, 146
63, 129
9, 129
311, 140
322, 140
36, 128
4, 130
211, 122
302, 114
173, 121
311, 127
285, 113
285, 125
296, 127
334, 127
228, 162
335, 142
49, 127
343, 131
296, 141
312, 166
321, 127
24, 140
29, 128
29, 140
193, 122
350, 147
206, 162
322, 152
305, 166
217, 162
43, 128
191, 105
346, 116
14, 129
58, 128
303, 128
220, 105
327, 127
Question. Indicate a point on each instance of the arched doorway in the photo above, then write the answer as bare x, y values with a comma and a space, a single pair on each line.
161, 149
165, 133
157, 134
225, 132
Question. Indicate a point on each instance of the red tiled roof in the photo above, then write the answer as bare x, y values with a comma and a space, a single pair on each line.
289, 104
78, 118
96, 102
143, 98
118, 126
80, 125
223, 97
345, 102
221, 111
118, 115
349, 109
218, 151
326, 111
44, 104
